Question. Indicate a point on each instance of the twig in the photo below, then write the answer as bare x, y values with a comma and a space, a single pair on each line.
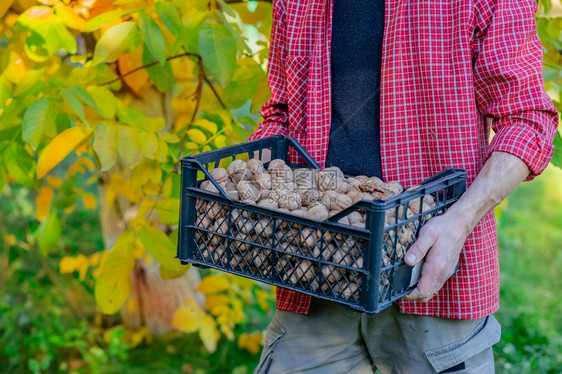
198, 94
121, 76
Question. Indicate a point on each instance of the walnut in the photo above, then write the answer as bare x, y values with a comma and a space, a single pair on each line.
256, 166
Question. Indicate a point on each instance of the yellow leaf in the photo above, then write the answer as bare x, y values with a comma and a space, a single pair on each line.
251, 342
168, 210
55, 182
89, 200
10, 240
197, 136
71, 264
214, 303
70, 209
129, 61
43, 202
69, 17
4, 6
113, 285
15, 70
213, 284
208, 333
59, 148
187, 319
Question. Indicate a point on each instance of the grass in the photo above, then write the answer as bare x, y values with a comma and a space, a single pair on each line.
530, 239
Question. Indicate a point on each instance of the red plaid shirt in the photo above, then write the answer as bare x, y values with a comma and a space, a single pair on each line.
450, 71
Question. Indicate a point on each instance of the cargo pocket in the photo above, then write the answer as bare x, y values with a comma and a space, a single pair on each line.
274, 332
455, 357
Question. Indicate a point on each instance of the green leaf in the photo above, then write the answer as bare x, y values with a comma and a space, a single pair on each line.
131, 116
217, 47
105, 144
557, 157
196, 136
49, 233
113, 285
168, 211
161, 75
160, 247
104, 99
2, 178
37, 118
227, 9
106, 18
242, 86
116, 41
166, 273
32, 82
75, 104
189, 34
129, 148
5, 91
65, 38
148, 144
169, 16
19, 164
153, 38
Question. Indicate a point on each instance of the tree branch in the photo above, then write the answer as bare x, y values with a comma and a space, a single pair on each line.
121, 76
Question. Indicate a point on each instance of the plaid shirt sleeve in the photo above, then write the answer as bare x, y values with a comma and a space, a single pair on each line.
508, 82
275, 110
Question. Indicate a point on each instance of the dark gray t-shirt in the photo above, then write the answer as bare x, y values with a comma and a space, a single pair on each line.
356, 51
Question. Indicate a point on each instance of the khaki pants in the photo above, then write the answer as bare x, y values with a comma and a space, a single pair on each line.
333, 339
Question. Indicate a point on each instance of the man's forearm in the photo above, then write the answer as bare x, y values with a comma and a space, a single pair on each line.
441, 240
501, 174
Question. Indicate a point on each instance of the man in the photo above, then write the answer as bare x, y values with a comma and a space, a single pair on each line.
447, 71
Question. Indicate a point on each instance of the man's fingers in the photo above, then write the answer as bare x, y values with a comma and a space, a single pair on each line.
419, 249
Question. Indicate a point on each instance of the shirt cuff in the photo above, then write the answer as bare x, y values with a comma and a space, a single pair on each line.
522, 141
269, 129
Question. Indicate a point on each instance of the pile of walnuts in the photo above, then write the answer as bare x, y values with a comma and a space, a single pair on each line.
312, 193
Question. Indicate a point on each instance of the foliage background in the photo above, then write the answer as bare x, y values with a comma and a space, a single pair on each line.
98, 101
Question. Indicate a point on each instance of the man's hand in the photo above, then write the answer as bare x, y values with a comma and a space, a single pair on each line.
441, 240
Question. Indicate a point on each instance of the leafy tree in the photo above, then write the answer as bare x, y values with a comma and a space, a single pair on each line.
99, 100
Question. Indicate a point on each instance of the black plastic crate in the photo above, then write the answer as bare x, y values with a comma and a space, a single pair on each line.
362, 268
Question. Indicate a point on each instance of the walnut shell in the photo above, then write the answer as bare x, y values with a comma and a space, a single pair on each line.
362, 196
305, 271
236, 165
248, 192
242, 175
342, 186
309, 196
282, 178
290, 200
263, 181
331, 273
209, 186
276, 163
255, 165
305, 177
268, 203
318, 212
219, 174
230, 189
327, 180
355, 217
341, 202
394, 187
264, 228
